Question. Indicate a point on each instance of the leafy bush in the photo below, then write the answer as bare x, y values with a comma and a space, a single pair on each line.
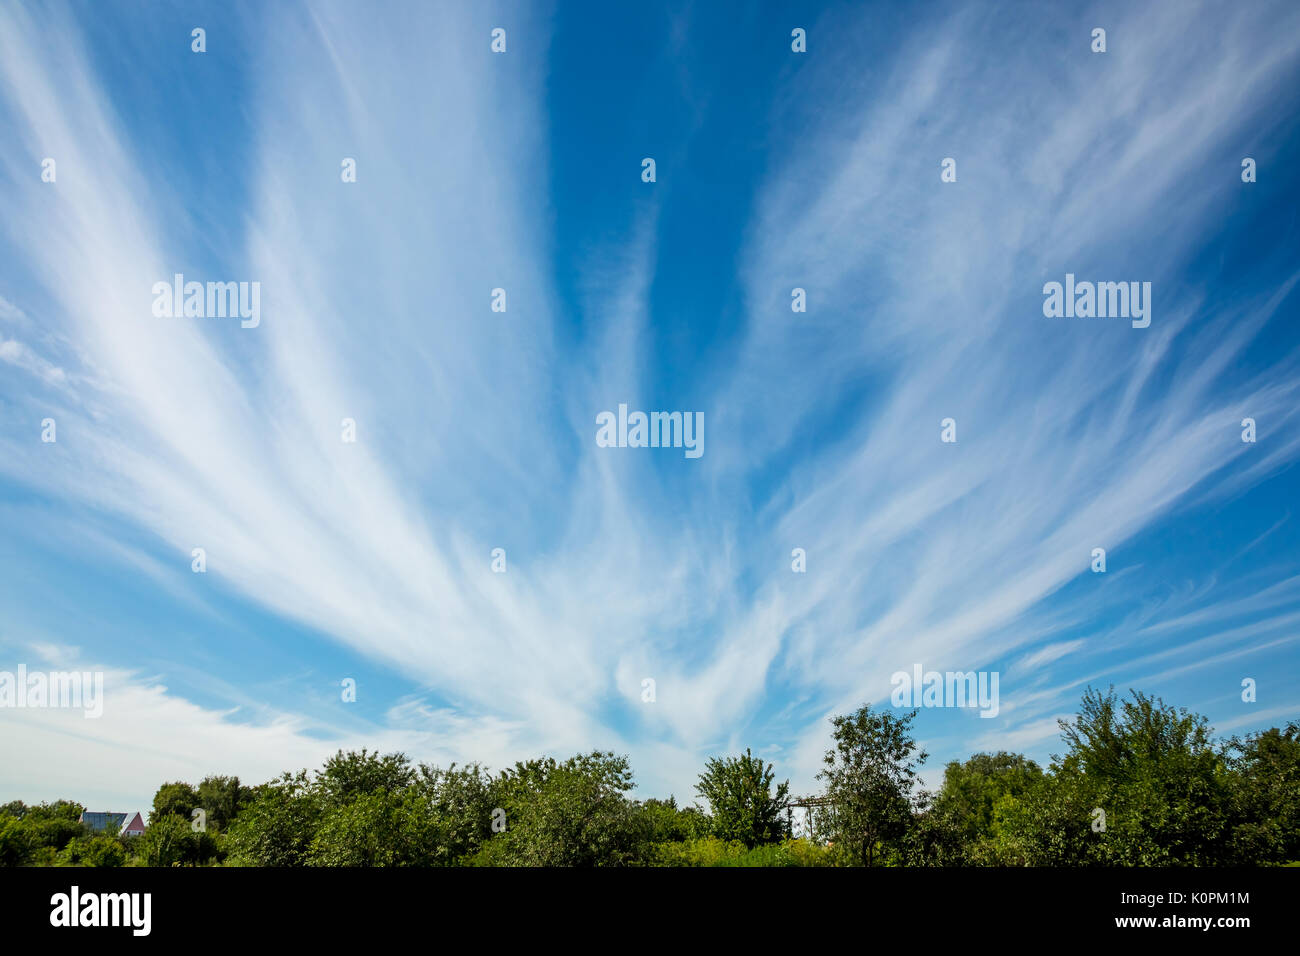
168, 841
376, 829
176, 799
278, 827
94, 850
667, 823
574, 813
741, 799
712, 851
15, 842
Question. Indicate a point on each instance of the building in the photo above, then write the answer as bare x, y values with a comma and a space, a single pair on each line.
121, 824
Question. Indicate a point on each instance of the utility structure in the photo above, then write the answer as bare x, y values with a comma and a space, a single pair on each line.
807, 804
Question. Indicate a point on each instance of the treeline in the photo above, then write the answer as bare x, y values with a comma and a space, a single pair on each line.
1140, 784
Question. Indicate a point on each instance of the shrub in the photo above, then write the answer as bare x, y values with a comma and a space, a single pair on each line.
94, 850
15, 842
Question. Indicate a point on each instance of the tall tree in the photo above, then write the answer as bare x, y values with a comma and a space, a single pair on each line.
380, 828
1141, 784
348, 775
574, 813
870, 775
177, 798
221, 798
972, 789
669, 823
741, 799
461, 802
52, 825
278, 827
168, 841
1267, 796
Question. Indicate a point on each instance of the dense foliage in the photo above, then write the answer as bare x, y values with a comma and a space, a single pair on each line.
744, 806
1140, 784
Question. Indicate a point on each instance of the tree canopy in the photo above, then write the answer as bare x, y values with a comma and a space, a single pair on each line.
1139, 783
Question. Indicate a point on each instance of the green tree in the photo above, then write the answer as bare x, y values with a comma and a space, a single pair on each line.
177, 798
741, 800
1155, 772
669, 823
221, 799
94, 850
376, 829
167, 841
1266, 796
347, 776
1050, 824
1141, 784
460, 802
55, 810
278, 827
971, 789
53, 825
961, 824
870, 775
574, 813
15, 842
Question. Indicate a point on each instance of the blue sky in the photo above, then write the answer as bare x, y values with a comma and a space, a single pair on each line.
477, 429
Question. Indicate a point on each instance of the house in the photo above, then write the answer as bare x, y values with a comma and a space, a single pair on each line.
123, 824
